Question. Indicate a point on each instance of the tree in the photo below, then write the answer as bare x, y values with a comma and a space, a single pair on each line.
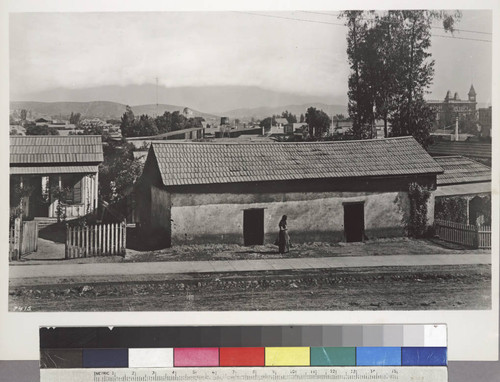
119, 171
360, 104
266, 123
391, 69
289, 117
92, 126
127, 121
24, 114
302, 118
74, 118
41, 130
164, 122
145, 126
318, 122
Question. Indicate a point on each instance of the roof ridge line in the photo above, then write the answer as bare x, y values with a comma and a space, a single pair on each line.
163, 142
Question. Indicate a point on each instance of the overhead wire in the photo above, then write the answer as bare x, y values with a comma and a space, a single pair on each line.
343, 25
386, 21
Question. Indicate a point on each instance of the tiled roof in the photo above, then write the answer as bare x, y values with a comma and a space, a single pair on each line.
458, 170
185, 163
465, 148
46, 149
53, 170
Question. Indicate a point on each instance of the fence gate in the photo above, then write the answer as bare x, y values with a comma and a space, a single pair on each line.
96, 240
23, 238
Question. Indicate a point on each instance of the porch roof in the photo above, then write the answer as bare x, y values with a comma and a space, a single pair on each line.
46, 170
463, 189
53, 149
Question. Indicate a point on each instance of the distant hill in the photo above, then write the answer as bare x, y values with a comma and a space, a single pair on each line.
210, 99
263, 112
96, 109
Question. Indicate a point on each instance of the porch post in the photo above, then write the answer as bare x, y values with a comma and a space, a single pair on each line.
96, 191
468, 200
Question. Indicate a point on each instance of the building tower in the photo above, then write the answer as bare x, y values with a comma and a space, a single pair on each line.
472, 94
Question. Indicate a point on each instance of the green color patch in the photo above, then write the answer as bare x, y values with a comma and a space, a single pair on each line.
333, 356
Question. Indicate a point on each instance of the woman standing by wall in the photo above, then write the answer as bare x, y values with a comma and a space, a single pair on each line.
283, 238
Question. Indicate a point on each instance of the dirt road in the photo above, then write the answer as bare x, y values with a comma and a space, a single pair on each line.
447, 287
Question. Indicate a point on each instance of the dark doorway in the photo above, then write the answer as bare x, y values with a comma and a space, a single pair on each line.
253, 226
354, 221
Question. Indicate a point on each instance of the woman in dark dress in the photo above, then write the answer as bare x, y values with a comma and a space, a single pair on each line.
283, 238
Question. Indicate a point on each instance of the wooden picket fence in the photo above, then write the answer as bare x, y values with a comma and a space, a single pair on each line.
484, 236
96, 240
23, 238
468, 235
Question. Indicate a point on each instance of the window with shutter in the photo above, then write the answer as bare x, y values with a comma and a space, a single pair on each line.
73, 183
77, 191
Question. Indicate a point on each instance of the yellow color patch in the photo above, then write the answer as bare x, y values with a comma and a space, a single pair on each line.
292, 356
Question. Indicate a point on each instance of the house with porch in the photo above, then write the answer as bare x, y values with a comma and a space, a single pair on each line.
463, 192
59, 173
199, 192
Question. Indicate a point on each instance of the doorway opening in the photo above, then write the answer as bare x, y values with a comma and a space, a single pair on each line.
354, 221
253, 226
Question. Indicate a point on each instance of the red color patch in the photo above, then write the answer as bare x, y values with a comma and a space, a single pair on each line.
241, 357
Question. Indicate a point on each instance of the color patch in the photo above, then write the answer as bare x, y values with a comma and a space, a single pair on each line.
287, 356
413, 335
373, 335
61, 358
196, 357
393, 335
333, 356
352, 335
378, 356
105, 358
423, 356
241, 356
435, 335
151, 357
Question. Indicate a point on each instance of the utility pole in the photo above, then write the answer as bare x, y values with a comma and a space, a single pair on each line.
156, 96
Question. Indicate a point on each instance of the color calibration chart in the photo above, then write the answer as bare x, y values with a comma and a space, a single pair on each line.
231, 353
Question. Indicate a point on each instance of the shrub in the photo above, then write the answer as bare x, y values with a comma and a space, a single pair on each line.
419, 196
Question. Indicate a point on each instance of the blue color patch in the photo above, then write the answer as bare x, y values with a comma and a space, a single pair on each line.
424, 356
378, 356
105, 358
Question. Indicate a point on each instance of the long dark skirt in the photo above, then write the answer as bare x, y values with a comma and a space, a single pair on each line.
283, 242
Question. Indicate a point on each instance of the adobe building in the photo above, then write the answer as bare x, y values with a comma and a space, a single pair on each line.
198, 192
448, 109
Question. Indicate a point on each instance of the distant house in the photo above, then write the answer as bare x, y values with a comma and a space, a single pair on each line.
191, 133
463, 191
42, 164
280, 126
194, 192
42, 121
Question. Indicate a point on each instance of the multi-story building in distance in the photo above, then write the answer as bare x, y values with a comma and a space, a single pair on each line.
448, 109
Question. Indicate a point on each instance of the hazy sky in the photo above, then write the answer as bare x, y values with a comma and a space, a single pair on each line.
77, 50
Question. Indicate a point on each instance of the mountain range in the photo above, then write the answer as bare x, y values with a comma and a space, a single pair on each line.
96, 109
210, 99
112, 110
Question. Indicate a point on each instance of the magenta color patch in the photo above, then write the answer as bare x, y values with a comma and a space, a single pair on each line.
187, 357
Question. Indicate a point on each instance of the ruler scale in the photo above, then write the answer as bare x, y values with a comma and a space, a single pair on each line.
284, 374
